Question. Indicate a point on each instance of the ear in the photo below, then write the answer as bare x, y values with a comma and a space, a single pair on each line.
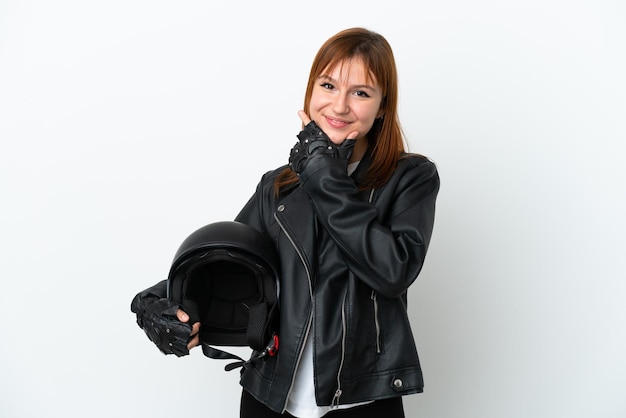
380, 114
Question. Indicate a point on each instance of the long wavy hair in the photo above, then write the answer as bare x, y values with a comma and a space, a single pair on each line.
385, 138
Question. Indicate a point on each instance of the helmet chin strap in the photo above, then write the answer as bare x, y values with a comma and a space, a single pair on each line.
214, 353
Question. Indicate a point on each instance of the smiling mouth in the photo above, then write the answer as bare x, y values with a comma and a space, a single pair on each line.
336, 123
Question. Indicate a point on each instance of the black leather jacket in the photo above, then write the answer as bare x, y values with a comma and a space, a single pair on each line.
347, 260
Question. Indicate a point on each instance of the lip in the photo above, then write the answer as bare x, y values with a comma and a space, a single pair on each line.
336, 123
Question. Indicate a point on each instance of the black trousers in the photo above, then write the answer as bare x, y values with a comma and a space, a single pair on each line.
388, 408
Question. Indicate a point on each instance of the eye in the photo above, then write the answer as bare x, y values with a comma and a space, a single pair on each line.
361, 93
327, 86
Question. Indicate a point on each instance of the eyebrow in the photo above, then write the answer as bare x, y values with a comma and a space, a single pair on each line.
358, 86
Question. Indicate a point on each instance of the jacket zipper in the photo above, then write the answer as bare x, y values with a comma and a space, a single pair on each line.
309, 320
376, 320
375, 299
335, 403
338, 392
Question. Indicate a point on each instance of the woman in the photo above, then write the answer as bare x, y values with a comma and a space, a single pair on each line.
351, 217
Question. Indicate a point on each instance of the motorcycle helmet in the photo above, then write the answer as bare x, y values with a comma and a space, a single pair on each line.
225, 275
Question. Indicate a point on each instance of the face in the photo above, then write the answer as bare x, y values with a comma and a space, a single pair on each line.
346, 102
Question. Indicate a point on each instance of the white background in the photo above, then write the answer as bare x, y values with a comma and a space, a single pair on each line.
126, 125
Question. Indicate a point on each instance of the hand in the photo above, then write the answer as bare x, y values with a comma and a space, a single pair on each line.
166, 325
313, 142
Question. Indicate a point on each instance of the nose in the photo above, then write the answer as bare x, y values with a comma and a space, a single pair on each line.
340, 104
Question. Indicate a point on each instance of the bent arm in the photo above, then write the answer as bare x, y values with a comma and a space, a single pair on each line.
386, 251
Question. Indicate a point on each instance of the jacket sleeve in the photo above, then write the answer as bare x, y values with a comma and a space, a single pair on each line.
386, 251
159, 291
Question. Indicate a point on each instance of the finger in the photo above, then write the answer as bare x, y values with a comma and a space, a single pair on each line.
182, 315
194, 342
304, 117
353, 135
195, 328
